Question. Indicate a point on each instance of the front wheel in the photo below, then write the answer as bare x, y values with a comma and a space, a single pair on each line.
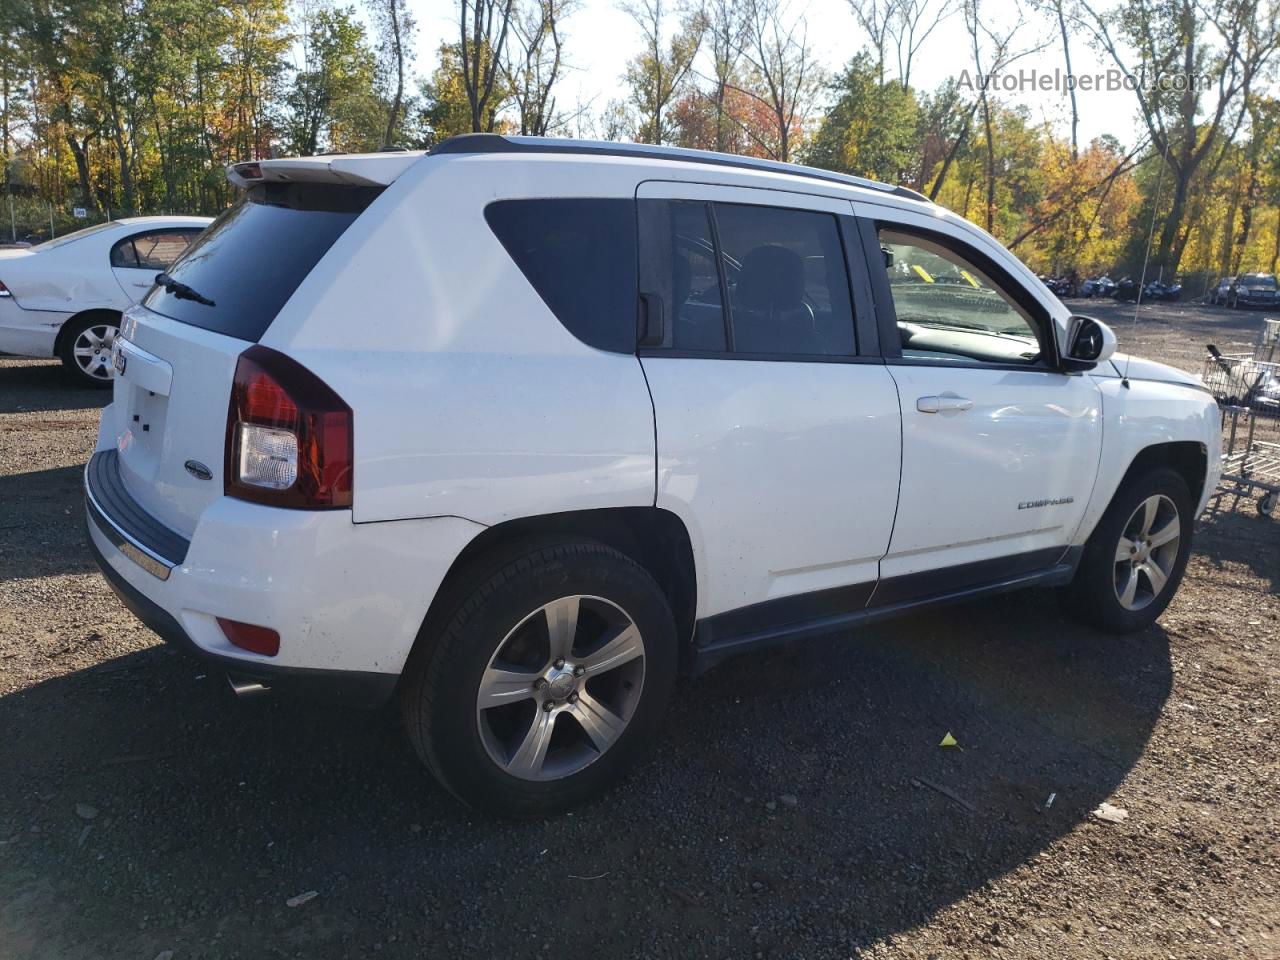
546, 683
86, 349
1136, 556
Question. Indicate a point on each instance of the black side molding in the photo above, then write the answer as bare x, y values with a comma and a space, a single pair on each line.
828, 611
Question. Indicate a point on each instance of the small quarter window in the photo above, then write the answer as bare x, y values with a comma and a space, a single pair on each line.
580, 256
152, 251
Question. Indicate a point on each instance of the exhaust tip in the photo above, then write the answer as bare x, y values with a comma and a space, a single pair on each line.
245, 688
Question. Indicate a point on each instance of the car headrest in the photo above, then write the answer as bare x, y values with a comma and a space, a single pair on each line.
771, 278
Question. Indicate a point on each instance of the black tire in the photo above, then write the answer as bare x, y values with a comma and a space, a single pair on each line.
443, 677
70, 337
1093, 595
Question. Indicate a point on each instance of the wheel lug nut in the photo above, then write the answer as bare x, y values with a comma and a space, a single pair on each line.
579, 671
540, 683
573, 698
548, 706
559, 664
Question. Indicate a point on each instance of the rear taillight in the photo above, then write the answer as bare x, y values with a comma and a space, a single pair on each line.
4, 291
289, 437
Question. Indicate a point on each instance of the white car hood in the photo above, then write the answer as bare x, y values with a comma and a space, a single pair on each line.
1136, 368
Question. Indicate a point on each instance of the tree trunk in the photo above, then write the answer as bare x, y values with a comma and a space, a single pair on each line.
1075, 113
393, 121
1275, 250
1246, 211
80, 152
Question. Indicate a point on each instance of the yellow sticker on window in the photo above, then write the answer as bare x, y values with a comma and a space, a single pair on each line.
972, 282
924, 274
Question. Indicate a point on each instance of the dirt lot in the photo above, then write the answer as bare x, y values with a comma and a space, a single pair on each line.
783, 812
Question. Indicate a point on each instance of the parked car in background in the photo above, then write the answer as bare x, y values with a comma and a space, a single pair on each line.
63, 298
1254, 290
1222, 292
516, 430
1158, 290
1102, 286
1126, 290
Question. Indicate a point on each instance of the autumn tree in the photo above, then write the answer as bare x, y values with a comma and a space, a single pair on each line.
658, 74
332, 88
1193, 68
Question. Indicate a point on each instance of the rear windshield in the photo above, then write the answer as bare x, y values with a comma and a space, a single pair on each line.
252, 258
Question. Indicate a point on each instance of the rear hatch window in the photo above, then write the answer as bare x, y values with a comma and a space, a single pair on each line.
253, 257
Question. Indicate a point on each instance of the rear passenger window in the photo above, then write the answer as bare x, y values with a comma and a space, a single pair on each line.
580, 256
152, 251
780, 272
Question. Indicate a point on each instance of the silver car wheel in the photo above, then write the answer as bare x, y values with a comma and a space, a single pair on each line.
561, 688
92, 350
1147, 552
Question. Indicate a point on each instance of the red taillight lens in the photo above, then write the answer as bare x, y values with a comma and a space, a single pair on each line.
4, 291
248, 636
289, 437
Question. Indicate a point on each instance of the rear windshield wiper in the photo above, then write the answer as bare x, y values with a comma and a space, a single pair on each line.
181, 290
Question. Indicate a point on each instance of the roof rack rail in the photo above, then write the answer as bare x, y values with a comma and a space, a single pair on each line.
497, 143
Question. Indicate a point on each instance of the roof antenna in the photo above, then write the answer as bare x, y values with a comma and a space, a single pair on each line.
1146, 257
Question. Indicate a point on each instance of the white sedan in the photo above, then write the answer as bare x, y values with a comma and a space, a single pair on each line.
63, 298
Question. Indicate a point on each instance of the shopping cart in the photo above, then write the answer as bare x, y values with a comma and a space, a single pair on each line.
1268, 347
1248, 392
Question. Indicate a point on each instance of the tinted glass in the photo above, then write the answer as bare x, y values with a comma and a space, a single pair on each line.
253, 257
787, 282
949, 309
580, 256
152, 251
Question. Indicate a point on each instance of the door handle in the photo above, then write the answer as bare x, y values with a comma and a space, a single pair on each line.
947, 403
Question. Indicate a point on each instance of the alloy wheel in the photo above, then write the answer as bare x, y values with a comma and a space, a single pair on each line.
92, 350
1147, 552
561, 688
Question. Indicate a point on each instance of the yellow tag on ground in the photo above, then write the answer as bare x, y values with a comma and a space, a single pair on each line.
948, 741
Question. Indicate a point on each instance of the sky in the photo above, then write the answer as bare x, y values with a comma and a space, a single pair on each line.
601, 38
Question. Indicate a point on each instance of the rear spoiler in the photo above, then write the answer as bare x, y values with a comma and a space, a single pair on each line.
351, 169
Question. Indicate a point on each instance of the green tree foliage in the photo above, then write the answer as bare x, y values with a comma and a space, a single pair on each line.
329, 104
871, 128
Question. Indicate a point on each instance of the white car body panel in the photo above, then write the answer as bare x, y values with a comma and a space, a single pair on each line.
469, 427
342, 596
1143, 414
784, 473
1011, 475
50, 286
970, 477
473, 405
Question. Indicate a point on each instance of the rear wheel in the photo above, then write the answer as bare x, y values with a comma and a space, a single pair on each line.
1136, 556
547, 681
86, 348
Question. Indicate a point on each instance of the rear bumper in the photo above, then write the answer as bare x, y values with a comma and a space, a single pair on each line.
350, 687
28, 333
347, 599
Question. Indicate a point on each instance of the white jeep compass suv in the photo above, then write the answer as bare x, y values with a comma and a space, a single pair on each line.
518, 429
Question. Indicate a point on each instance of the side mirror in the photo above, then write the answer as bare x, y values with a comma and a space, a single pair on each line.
1089, 343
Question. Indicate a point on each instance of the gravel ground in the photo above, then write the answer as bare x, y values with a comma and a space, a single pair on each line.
791, 809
